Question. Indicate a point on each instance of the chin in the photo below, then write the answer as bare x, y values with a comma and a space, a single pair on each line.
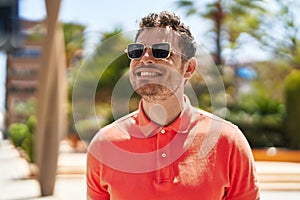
154, 96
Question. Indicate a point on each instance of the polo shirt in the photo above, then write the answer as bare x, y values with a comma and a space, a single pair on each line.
198, 156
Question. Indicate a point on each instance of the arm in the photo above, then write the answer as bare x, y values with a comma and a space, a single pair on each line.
95, 190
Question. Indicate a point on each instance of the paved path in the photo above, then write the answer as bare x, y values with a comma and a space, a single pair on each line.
279, 180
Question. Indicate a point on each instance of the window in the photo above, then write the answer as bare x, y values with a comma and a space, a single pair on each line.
28, 52
21, 72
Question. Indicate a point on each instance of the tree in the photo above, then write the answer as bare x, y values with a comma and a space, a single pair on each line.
280, 34
229, 18
105, 65
74, 43
292, 98
112, 48
95, 81
74, 40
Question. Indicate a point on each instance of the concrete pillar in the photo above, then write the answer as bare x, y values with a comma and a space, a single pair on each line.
51, 101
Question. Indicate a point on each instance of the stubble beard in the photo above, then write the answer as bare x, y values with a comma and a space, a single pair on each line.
154, 92
157, 89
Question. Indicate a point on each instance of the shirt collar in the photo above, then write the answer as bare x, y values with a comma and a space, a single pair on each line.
180, 125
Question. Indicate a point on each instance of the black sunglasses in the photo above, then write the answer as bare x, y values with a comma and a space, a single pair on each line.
158, 50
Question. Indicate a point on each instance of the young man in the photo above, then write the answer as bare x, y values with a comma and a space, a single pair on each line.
167, 149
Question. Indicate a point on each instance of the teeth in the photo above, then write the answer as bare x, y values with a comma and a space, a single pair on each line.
149, 74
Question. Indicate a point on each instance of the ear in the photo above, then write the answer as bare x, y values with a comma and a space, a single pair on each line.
190, 67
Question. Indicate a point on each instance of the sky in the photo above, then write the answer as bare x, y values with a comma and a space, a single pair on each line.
102, 16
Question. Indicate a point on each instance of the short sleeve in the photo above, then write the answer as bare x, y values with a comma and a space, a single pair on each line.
95, 190
242, 172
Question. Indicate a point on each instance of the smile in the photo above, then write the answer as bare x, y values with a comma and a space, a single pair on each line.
148, 74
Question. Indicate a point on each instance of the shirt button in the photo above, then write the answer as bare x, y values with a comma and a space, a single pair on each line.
163, 155
163, 131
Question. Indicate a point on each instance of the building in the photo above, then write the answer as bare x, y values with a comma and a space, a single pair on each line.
23, 66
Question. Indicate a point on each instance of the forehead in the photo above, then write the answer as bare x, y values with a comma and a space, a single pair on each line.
156, 35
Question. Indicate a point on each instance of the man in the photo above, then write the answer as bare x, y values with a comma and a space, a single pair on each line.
167, 149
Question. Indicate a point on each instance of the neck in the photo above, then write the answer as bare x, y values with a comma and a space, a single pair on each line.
164, 112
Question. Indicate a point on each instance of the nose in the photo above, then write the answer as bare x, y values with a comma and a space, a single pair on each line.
147, 57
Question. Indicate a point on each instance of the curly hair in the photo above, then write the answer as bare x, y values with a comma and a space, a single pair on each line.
168, 19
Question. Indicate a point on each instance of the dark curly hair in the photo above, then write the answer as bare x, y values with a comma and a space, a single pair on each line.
168, 19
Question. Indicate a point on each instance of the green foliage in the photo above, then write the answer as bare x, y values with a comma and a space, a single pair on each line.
259, 104
37, 33
105, 66
261, 113
98, 75
269, 80
21, 136
87, 128
74, 39
261, 119
26, 107
113, 73
73, 34
31, 123
292, 97
17, 133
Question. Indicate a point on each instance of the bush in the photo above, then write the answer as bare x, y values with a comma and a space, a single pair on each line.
21, 136
292, 98
261, 119
17, 133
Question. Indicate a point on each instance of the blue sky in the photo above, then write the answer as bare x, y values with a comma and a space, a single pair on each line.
102, 15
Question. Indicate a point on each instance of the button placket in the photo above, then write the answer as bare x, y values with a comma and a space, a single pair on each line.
162, 142
163, 139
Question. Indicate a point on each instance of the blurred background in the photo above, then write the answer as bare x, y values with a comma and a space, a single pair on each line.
255, 45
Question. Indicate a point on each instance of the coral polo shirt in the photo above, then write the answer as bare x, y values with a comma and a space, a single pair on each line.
198, 156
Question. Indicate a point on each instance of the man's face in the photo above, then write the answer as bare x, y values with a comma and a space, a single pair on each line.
157, 79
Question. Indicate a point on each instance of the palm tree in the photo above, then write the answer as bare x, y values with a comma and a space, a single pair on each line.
229, 18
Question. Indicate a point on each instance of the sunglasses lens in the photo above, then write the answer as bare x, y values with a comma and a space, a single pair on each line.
161, 50
135, 51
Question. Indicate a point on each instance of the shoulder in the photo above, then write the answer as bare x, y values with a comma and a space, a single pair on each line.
107, 142
114, 132
219, 132
214, 123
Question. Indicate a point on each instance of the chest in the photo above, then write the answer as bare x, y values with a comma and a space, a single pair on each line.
174, 170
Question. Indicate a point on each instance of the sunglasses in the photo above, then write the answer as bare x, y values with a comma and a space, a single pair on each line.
158, 50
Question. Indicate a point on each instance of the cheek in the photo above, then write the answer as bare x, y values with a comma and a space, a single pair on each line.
177, 62
133, 64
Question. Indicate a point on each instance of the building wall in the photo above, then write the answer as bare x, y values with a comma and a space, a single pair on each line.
22, 73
